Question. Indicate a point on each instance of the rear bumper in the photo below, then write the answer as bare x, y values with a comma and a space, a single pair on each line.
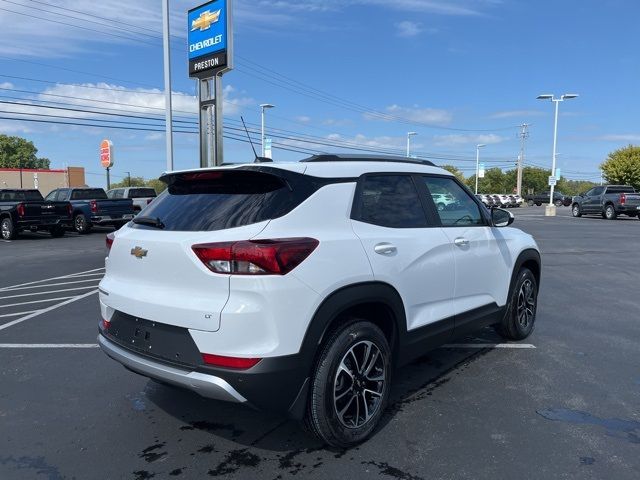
110, 219
44, 224
206, 385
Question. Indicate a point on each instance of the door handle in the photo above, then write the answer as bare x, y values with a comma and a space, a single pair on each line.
461, 242
385, 249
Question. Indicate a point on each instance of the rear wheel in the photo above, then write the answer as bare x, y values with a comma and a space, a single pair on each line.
350, 385
531, 203
519, 319
576, 211
610, 212
559, 203
81, 225
8, 229
538, 203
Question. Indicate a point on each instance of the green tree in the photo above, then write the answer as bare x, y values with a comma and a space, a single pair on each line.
574, 187
133, 182
623, 166
493, 182
17, 152
456, 171
157, 185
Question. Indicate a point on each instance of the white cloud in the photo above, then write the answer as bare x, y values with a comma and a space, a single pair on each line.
464, 139
409, 29
6, 85
303, 119
516, 113
619, 137
416, 114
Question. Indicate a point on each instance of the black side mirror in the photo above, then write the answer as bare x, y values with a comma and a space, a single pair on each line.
501, 217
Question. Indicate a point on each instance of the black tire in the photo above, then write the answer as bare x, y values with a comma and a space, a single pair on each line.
576, 211
531, 203
8, 230
558, 203
81, 225
538, 203
57, 232
610, 212
338, 419
519, 319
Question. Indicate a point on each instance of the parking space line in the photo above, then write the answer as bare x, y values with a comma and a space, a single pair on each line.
16, 314
489, 345
35, 301
49, 279
48, 292
48, 309
48, 285
48, 345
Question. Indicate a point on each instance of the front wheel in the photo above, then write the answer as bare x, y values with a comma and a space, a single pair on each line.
610, 212
350, 385
559, 203
575, 211
8, 229
520, 317
531, 203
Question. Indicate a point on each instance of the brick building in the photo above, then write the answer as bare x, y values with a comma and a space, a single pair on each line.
43, 180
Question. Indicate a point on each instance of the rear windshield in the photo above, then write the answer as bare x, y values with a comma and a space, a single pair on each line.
20, 195
89, 194
142, 192
211, 201
620, 190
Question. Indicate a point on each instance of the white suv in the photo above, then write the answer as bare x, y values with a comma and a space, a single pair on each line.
299, 287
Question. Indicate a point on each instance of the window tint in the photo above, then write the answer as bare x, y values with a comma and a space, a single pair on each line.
10, 195
116, 193
217, 200
622, 189
596, 191
63, 195
141, 192
455, 205
52, 196
391, 201
89, 194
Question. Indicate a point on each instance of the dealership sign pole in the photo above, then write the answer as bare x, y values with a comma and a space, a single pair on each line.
106, 158
210, 56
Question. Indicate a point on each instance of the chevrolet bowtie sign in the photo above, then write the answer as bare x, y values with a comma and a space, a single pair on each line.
210, 39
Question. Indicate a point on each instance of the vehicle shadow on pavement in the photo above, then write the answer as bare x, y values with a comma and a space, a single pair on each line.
248, 428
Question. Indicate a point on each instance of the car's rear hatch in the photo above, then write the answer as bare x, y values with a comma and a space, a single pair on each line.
152, 271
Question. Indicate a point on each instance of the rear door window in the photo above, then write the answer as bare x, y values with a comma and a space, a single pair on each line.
217, 200
390, 201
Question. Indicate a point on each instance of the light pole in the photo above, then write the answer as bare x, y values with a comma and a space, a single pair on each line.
167, 84
551, 208
409, 135
478, 147
264, 107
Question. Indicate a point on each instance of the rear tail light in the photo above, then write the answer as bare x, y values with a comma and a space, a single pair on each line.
20, 209
623, 199
94, 206
105, 324
256, 257
109, 239
70, 209
230, 362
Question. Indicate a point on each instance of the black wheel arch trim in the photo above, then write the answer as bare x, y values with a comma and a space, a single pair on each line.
527, 256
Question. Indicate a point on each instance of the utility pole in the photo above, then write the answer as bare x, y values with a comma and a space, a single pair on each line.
524, 134
128, 178
167, 84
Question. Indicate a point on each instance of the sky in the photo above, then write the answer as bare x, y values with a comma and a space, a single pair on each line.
345, 74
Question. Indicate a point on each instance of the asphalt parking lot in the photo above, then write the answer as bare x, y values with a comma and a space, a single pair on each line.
567, 405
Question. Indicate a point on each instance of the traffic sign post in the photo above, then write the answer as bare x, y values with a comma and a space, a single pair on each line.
553, 181
210, 38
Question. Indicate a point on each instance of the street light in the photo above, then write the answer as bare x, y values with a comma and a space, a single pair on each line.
550, 210
409, 135
478, 147
263, 107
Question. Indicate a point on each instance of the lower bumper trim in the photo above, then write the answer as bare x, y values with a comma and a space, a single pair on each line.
208, 386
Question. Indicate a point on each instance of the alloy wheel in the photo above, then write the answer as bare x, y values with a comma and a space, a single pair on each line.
6, 229
526, 307
359, 384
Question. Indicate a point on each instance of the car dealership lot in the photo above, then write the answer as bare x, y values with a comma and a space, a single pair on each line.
564, 407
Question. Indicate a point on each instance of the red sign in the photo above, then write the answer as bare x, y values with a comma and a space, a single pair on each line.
106, 154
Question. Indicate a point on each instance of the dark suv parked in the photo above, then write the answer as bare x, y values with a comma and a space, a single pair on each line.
608, 201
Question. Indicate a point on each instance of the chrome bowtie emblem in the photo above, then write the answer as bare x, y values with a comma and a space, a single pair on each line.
139, 252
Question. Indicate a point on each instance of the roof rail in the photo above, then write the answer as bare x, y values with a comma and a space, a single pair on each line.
366, 158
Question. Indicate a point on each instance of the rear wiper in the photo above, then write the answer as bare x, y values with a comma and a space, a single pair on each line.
149, 221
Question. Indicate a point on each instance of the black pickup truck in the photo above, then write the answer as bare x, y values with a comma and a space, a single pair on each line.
27, 210
608, 201
543, 198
